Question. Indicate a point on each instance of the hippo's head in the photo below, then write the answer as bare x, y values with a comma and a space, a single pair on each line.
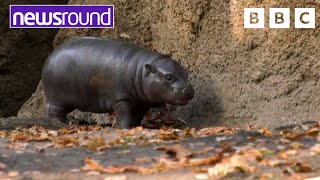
165, 81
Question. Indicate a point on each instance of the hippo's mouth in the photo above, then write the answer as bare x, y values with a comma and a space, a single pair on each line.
181, 102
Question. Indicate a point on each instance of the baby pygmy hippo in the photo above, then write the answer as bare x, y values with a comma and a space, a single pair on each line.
104, 76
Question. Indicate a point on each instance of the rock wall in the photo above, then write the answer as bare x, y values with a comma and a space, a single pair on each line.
267, 77
22, 53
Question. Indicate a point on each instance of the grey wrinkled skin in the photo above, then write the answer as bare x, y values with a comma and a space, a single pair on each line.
104, 75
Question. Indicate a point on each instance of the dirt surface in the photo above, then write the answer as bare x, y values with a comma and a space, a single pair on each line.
22, 53
93, 152
268, 77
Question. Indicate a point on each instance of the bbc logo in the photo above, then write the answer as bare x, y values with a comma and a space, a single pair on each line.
279, 18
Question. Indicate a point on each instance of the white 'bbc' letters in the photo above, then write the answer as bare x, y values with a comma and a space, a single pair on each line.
279, 18
253, 17
305, 18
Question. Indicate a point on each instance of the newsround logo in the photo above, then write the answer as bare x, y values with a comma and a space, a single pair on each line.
61, 16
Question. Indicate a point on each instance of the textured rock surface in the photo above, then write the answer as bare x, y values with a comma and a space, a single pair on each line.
22, 53
266, 77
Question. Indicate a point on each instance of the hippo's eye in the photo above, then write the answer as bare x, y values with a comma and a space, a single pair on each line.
170, 78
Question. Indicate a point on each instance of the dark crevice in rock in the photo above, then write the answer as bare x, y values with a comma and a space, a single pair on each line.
22, 54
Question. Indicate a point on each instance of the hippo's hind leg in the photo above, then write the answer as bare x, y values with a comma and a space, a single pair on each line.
127, 115
57, 111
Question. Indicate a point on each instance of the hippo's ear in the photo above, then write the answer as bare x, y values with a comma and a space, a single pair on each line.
150, 68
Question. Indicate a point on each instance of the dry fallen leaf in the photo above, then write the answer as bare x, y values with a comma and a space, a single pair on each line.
201, 176
296, 145
93, 173
114, 142
178, 152
167, 135
189, 132
2, 166
92, 165
13, 173
313, 178
288, 153
65, 131
5, 134
250, 127
266, 151
312, 132
300, 167
266, 132
138, 169
278, 162
177, 163
244, 163
216, 131
295, 176
206, 161
116, 178
315, 149
131, 132
65, 141
96, 144
245, 160
18, 137
200, 169
221, 169
291, 135
267, 176
78, 129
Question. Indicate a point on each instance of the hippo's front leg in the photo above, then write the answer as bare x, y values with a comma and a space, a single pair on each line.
126, 116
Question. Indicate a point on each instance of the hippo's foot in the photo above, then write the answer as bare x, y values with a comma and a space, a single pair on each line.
59, 112
128, 123
127, 117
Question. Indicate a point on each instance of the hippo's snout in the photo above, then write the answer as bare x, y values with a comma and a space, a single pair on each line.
184, 94
188, 92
